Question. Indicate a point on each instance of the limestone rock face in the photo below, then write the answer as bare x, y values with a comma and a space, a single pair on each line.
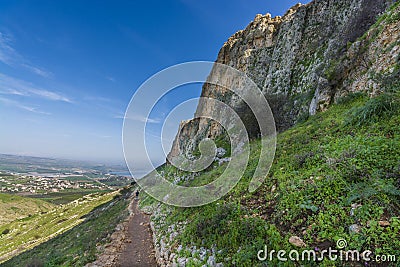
371, 64
303, 61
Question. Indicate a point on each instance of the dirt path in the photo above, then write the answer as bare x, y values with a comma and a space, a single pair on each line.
139, 252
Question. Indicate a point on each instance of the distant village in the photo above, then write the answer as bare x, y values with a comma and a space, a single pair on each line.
43, 183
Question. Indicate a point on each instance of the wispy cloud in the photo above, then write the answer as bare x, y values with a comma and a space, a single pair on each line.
12, 86
7, 53
138, 118
102, 136
50, 95
11, 57
11, 91
16, 104
37, 70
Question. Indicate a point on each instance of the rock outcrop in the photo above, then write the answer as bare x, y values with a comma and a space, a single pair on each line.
303, 61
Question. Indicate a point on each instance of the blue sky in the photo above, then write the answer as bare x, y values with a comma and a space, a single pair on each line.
68, 69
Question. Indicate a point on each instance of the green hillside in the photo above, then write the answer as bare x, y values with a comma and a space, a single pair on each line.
27, 233
14, 207
335, 176
77, 246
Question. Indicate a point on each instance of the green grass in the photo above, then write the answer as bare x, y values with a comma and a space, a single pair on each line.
374, 109
23, 234
323, 166
14, 207
77, 246
65, 196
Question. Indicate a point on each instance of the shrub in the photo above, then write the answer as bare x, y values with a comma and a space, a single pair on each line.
6, 231
376, 108
377, 190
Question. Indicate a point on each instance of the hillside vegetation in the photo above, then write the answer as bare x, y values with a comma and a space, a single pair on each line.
330, 71
73, 229
333, 86
335, 176
14, 207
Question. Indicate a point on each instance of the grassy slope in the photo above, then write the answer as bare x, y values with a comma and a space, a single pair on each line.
14, 207
24, 234
66, 196
77, 246
322, 167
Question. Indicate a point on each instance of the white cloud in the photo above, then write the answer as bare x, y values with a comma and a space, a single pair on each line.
9, 56
16, 104
11, 91
50, 95
148, 120
138, 118
12, 86
38, 71
103, 136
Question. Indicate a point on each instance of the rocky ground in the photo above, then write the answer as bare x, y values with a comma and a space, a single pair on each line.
131, 243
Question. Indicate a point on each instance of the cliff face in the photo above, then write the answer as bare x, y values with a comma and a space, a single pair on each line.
304, 61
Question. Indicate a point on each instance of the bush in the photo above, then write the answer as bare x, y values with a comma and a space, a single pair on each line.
376, 108
378, 191
6, 231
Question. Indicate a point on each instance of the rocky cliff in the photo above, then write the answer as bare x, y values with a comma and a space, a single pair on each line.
303, 61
